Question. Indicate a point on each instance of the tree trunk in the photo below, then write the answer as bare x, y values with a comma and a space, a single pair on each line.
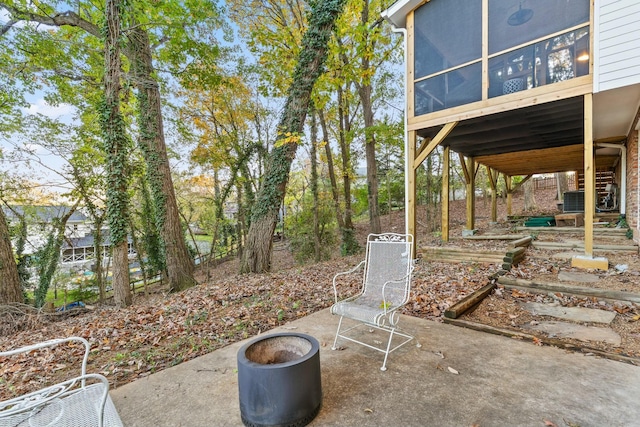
50, 256
98, 250
332, 172
117, 148
562, 184
345, 153
314, 185
529, 196
121, 293
10, 287
264, 214
179, 265
349, 245
372, 167
364, 90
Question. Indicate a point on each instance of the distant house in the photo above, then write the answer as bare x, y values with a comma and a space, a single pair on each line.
524, 87
78, 250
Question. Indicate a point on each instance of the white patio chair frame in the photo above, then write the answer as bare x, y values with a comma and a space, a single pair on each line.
80, 401
377, 304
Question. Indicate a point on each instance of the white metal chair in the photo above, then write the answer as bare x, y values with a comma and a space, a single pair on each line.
82, 401
385, 289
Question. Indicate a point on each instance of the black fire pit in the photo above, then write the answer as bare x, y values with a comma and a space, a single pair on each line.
279, 380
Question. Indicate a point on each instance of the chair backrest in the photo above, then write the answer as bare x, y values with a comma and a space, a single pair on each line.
388, 258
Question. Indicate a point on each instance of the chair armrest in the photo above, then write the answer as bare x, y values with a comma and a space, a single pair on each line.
335, 289
40, 398
407, 277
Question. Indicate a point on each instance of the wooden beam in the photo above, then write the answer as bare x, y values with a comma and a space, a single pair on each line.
589, 176
446, 174
522, 242
463, 164
471, 193
444, 132
424, 145
412, 191
611, 140
521, 183
469, 301
582, 291
493, 182
539, 95
588, 260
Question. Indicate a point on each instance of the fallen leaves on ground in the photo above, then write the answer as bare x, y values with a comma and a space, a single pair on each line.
162, 330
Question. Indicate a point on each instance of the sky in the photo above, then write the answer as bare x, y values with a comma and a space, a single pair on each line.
38, 105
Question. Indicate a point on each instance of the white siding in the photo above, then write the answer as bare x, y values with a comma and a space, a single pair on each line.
616, 44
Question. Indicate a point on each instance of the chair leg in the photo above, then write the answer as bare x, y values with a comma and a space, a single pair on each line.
335, 341
386, 353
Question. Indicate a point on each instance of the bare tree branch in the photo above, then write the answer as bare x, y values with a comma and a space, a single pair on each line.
6, 27
68, 18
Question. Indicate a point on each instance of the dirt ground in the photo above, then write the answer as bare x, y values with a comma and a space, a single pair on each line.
502, 309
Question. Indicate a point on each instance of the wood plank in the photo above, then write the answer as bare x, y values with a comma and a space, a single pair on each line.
452, 249
516, 251
523, 242
542, 287
589, 175
442, 134
521, 183
494, 237
412, 192
471, 300
581, 246
574, 230
513, 260
471, 193
543, 339
567, 89
464, 257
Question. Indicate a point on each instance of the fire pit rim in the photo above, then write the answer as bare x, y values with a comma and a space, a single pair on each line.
315, 347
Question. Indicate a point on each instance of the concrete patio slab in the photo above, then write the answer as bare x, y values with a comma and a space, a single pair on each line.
500, 382
579, 332
575, 314
578, 276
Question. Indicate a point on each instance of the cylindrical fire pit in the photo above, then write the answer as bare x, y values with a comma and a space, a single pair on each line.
279, 380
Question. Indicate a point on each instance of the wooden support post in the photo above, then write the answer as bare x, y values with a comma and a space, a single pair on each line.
417, 159
493, 181
589, 176
470, 190
412, 192
445, 193
588, 260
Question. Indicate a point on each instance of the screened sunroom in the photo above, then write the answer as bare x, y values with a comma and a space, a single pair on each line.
467, 51
521, 87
